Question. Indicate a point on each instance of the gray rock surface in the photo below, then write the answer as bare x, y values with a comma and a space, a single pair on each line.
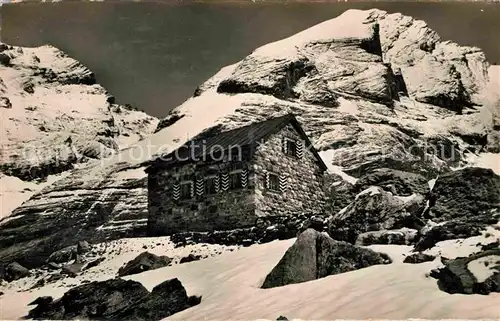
402, 236
376, 210
394, 181
418, 258
478, 273
464, 194
144, 262
315, 255
14, 271
115, 299
58, 115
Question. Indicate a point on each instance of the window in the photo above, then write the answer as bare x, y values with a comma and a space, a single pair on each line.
235, 180
290, 147
211, 185
273, 182
186, 189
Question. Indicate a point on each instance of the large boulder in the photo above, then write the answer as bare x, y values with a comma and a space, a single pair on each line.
339, 194
432, 232
465, 193
315, 255
115, 299
375, 210
144, 262
14, 271
63, 255
165, 299
478, 273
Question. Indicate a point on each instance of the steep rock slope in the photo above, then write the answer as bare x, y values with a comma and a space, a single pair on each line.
355, 83
55, 117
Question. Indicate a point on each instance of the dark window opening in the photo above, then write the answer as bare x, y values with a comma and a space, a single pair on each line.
274, 182
291, 147
186, 190
235, 166
235, 180
211, 185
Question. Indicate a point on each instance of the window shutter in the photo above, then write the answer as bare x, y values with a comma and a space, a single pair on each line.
283, 183
176, 193
191, 188
244, 178
200, 187
285, 146
300, 148
267, 180
217, 183
225, 181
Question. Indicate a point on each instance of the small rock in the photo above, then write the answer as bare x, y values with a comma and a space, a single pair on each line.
40, 283
190, 258
282, 318
15, 271
63, 255
419, 258
53, 266
5, 103
83, 247
72, 269
94, 263
144, 262
54, 277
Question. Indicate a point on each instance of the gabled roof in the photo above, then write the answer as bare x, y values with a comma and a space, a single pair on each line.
243, 137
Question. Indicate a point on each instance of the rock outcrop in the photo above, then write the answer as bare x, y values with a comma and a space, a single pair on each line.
13, 271
354, 82
402, 236
397, 182
115, 299
57, 118
461, 204
144, 262
315, 255
375, 210
464, 194
478, 273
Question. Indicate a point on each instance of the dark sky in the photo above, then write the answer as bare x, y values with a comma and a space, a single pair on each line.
153, 55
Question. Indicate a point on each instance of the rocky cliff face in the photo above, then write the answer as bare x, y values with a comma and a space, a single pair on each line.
57, 115
55, 118
371, 90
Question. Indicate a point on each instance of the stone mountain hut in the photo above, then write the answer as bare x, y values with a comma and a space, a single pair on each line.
231, 179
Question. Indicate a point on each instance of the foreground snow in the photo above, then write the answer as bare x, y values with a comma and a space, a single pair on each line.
229, 284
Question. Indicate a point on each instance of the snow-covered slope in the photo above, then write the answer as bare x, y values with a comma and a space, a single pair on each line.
371, 90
